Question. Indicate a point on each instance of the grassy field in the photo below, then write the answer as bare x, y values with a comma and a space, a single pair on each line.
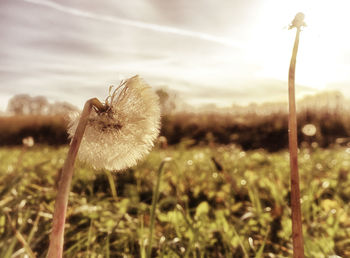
214, 202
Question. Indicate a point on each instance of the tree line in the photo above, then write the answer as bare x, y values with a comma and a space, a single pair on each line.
249, 127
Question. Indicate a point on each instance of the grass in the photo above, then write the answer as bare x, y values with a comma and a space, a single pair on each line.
199, 212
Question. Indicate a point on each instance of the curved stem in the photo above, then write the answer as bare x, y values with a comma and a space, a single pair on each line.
297, 232
59, 216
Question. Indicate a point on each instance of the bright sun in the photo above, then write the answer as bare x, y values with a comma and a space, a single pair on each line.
323, 43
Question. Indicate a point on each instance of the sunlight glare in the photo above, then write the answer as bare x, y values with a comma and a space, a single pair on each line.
322, 43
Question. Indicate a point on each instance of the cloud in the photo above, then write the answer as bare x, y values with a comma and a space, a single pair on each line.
242, 92
138, 24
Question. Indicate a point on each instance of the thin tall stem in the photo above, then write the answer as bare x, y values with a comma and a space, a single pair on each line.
59, 216
297, 232
154, 204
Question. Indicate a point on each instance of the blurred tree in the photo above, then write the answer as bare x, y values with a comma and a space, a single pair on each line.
19, 104
62, 108
38, 105
166, 101
24, 104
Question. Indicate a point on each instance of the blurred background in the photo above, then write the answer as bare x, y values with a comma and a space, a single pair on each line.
227, 62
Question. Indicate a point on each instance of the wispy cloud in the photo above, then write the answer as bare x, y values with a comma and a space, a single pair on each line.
138, 24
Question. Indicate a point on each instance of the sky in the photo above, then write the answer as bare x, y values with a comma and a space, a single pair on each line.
222, 52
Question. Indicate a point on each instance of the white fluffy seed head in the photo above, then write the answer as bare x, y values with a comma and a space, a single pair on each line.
123, 134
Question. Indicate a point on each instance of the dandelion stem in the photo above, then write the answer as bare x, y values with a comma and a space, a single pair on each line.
111, 183
153, 211
59, 216
298, 246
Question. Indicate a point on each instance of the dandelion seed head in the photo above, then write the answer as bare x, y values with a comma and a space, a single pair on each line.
298, 21
124, 133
